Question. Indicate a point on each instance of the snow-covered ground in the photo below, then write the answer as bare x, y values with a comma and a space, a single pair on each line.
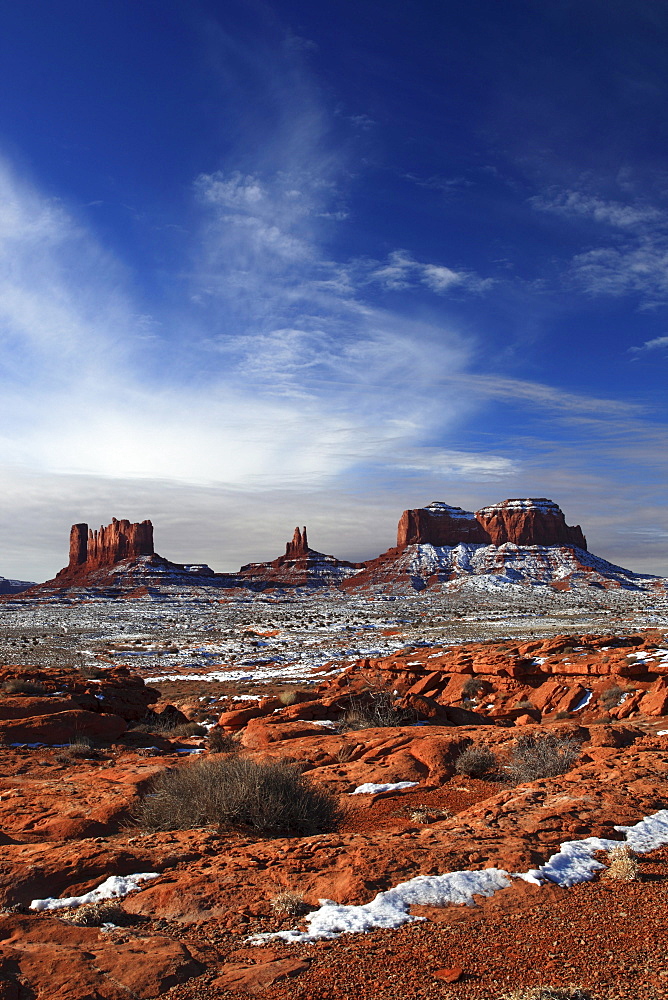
261, 639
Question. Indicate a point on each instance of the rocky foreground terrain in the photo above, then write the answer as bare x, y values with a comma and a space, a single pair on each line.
197, 911
442, 773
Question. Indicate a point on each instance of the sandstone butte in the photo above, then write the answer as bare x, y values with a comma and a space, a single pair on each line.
120, 559
65, 825
536, 521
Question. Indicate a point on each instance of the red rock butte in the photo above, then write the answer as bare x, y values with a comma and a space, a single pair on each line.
111, 544
532, 521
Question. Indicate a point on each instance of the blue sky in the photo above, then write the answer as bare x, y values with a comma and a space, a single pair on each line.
274, 263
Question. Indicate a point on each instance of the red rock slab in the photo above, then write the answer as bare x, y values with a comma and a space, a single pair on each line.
255, 979
62, 727
64, 802
60, 961
452, 975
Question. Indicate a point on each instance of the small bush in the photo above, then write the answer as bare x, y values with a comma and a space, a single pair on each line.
171, 729
376, 709
623, 864
525, 704
476, 761
221, 742
563, 715
272, 798
543, 756
471, 688
288, 904
610, 698
96, 914
19, 686
90, 672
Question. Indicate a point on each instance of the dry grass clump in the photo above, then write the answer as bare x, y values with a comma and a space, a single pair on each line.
271, 798
541, 756
288, 698
220, 741
549, 993
375, 709
96, 914
80, 748
18, 685
623, 864
288, 904
476, 761
425, 814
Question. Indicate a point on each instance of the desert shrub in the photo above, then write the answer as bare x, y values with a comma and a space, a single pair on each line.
220, 741
169, 727
20, 686
287, 698
375, 709
541, 756
96, 914
610, 697
563, 715
623, 864
471, 687
231, 791
524, 703
91, 672
346, 752
476, 761
288, 904
549, 993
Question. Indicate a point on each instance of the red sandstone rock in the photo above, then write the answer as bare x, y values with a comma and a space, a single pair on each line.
109, 545
439, 524
257, 978
535, 521
298, 547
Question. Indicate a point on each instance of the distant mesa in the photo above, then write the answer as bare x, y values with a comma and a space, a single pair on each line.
533, 521
517, 541
13, 586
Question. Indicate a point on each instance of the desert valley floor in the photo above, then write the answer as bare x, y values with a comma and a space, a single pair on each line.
277, 672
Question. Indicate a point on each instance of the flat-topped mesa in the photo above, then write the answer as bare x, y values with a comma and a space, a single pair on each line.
439, 524
532, 521
298, 547
109, 545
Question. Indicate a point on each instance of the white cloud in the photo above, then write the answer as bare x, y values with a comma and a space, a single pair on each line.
634, 261
656, 344
611, 213
402, 271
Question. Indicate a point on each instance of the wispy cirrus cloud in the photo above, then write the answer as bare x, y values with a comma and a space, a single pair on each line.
633, 259
655, 344
402, 271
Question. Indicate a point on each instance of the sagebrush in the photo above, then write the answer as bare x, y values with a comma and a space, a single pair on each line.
541, 756
476, 761
271, 798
